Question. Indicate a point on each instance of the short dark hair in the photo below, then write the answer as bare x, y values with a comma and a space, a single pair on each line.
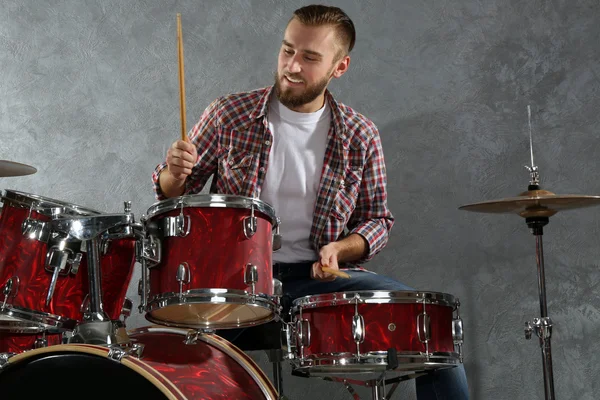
317, 15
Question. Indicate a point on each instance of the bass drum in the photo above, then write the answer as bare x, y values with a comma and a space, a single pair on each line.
174, 364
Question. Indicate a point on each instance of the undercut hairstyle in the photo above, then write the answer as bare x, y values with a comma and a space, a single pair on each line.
319, 15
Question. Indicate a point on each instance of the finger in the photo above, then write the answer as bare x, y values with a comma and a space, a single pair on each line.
183, 154
317, 273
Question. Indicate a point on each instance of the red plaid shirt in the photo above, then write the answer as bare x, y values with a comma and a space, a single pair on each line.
233, 142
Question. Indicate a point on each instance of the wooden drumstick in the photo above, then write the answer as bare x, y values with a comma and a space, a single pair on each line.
181, 76
336, 272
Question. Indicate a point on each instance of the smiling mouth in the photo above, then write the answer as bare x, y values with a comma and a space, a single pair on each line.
294, 81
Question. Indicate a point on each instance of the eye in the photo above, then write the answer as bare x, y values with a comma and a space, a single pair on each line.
288, 52
310, 59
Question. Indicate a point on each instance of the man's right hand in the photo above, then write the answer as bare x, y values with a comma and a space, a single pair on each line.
181, 158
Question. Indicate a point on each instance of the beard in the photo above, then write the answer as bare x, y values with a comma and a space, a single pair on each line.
288, 98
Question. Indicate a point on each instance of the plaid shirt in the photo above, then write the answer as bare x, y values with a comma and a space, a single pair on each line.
233, 141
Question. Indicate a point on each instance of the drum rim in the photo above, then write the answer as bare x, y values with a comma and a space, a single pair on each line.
211, 200
330, 362
44, 205
373, 297
30, 319
152, 375
215, 296
247, 363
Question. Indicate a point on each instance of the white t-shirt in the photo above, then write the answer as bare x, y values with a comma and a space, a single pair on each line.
293, 175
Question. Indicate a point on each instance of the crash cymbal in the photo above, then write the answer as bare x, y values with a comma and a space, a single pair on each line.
11, 168
534, 203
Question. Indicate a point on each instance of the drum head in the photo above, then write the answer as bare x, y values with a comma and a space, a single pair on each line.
55, 375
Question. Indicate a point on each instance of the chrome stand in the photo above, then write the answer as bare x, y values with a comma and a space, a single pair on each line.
542, 326
378, 386
96, 327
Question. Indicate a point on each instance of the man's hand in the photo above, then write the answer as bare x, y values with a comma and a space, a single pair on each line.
328, 257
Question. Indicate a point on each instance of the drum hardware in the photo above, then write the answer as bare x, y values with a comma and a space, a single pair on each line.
251, 277
183, 277
96, 327
126, 309
35, 229
41, 342
250, 223
537, 206
377, 385
117, 352
424, 328
57, 259
4, 357
176, 226
358, 326
276, 234
458, 335
11, 168
10, 289
148, 254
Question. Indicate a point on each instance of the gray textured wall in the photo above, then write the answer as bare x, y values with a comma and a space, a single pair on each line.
90, 97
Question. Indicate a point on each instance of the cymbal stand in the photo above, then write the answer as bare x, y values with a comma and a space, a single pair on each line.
542, 326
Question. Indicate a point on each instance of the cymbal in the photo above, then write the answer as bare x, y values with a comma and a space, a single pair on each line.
534, 203
11, 168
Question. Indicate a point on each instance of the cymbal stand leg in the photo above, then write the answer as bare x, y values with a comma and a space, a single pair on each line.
542, 326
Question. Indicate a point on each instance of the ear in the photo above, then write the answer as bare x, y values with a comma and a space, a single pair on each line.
341, 67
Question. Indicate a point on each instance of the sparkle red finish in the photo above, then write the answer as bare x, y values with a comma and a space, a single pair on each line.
18, 343
331, 328
211, 369
216, 251
26, 258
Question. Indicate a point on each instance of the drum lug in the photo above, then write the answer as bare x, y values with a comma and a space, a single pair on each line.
251, 276
277, 288
35, 230
277, 235
358, 325
303, 334
57, 259
191, 337
424, 329
40, 342
458, 335
10, 289
183, 276
250, 224
116, 352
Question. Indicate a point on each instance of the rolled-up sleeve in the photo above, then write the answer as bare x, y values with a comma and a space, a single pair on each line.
204, 135
372, 218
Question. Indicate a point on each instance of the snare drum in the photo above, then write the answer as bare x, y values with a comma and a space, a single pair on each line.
374, 331
43, 276
163, 363
216, 264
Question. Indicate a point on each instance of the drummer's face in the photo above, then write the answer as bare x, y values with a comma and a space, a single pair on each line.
310, 56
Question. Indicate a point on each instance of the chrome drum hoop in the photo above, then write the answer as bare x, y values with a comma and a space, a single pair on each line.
22, 320
44, 205
213, 296
373, 297
211, 200
349, 363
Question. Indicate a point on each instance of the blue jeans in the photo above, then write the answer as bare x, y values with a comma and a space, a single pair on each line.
443, 384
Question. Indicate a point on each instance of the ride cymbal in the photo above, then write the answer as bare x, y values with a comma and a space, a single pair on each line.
534, 203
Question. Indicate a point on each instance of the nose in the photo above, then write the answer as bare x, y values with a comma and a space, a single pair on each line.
294, 65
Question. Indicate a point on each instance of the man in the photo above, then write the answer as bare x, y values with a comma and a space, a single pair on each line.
316, 161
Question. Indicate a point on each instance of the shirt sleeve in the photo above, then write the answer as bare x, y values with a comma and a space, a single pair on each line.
204, 135
372, 218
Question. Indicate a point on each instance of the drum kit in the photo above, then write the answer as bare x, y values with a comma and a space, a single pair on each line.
206, 265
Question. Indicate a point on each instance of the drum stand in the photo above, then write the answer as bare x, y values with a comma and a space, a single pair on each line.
378, 385
96, 327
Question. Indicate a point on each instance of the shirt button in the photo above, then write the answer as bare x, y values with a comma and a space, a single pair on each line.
262, 169
230, 162
268, 142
